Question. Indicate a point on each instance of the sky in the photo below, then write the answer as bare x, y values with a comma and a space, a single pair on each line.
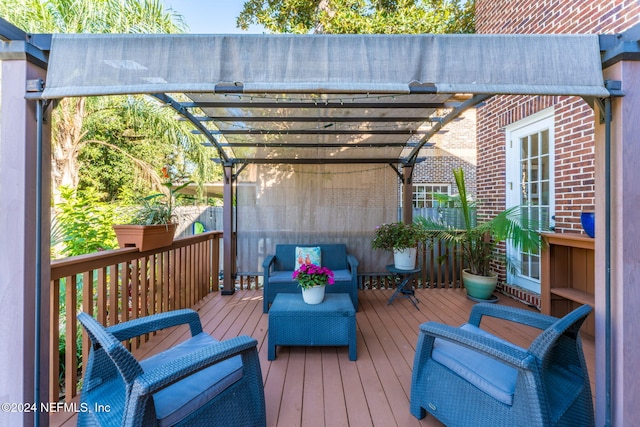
211, 16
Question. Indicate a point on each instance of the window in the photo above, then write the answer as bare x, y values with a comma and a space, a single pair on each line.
423, 194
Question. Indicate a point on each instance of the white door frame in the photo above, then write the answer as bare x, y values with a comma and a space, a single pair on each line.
543, 120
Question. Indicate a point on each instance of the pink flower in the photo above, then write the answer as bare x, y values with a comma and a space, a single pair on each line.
308, 275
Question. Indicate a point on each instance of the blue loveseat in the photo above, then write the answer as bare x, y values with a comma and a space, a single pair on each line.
278, 271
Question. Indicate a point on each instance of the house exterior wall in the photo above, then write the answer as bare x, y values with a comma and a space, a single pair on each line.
454, 147
574, 129
580, 178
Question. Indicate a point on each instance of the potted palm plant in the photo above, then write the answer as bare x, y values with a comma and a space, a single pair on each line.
478, 242
153, 224
401, 239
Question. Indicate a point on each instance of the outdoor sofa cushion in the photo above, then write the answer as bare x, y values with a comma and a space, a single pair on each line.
486, 373
184, 397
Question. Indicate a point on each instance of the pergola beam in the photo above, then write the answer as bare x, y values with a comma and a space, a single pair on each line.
319, 104
314, 145
469, 103
303, 119
315, 132
186, 114
317, 161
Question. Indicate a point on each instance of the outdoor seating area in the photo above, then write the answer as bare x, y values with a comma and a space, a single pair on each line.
279, 267
312, 161
319, 385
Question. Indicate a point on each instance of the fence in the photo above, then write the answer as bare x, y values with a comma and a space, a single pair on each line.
119, 285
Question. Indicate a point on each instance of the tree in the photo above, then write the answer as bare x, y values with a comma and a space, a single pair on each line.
360, 16
113, 122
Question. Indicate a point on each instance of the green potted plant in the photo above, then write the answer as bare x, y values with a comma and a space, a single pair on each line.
478, 242
153, 224
401, 239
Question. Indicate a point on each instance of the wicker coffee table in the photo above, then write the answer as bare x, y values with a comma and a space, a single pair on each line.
294, 322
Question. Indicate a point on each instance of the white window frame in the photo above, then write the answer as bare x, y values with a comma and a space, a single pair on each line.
426, 200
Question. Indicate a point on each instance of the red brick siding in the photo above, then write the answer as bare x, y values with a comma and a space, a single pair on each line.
555, 16
574, 146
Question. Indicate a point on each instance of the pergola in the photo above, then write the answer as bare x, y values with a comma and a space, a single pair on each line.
331, 100
322, 100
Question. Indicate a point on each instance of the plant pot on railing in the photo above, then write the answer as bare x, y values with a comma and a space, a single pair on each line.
153, 224
145, 237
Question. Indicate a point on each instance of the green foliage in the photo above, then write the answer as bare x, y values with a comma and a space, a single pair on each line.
478, 242
85, 222
99, 141
158, 208
92, 16
122, 131
360, 16
397, 235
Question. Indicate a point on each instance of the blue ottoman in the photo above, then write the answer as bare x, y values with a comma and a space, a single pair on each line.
294, 322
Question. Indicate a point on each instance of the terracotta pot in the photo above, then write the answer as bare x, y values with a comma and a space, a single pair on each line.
145, 237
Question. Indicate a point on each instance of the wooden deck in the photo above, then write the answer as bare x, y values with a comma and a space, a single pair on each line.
319, 386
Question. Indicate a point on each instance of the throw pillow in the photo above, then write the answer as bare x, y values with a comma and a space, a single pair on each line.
307, 255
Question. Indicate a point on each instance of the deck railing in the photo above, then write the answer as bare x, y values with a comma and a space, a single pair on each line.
440, 263
440, 267
122, 284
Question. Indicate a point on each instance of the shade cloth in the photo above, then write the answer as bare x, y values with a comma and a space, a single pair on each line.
101, 64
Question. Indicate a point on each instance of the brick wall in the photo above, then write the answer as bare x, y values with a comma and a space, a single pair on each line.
555, 16
574, 146
454, 147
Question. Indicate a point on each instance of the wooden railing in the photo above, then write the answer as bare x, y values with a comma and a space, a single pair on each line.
122, 284
440, 263
441, 267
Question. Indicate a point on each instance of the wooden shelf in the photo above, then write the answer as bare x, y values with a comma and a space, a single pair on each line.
575, 295
568, 275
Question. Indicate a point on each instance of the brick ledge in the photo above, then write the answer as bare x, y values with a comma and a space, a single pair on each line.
520, 294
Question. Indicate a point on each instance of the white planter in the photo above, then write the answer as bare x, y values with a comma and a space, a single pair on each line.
313, 295
405, 259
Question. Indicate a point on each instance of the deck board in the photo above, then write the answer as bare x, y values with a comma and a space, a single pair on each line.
319, 386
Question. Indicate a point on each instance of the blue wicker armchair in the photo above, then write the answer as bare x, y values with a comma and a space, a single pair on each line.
467, 377
199, 382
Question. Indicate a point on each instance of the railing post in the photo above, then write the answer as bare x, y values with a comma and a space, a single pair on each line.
228, 285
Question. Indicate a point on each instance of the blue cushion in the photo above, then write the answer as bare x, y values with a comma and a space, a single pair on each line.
184, 397
342, 275
489, 375
282, 277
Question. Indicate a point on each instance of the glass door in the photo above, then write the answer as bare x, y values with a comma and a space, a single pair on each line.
530, 184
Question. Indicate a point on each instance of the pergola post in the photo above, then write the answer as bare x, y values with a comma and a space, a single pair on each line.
617, 344
22, 372
228, 235
407, 194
